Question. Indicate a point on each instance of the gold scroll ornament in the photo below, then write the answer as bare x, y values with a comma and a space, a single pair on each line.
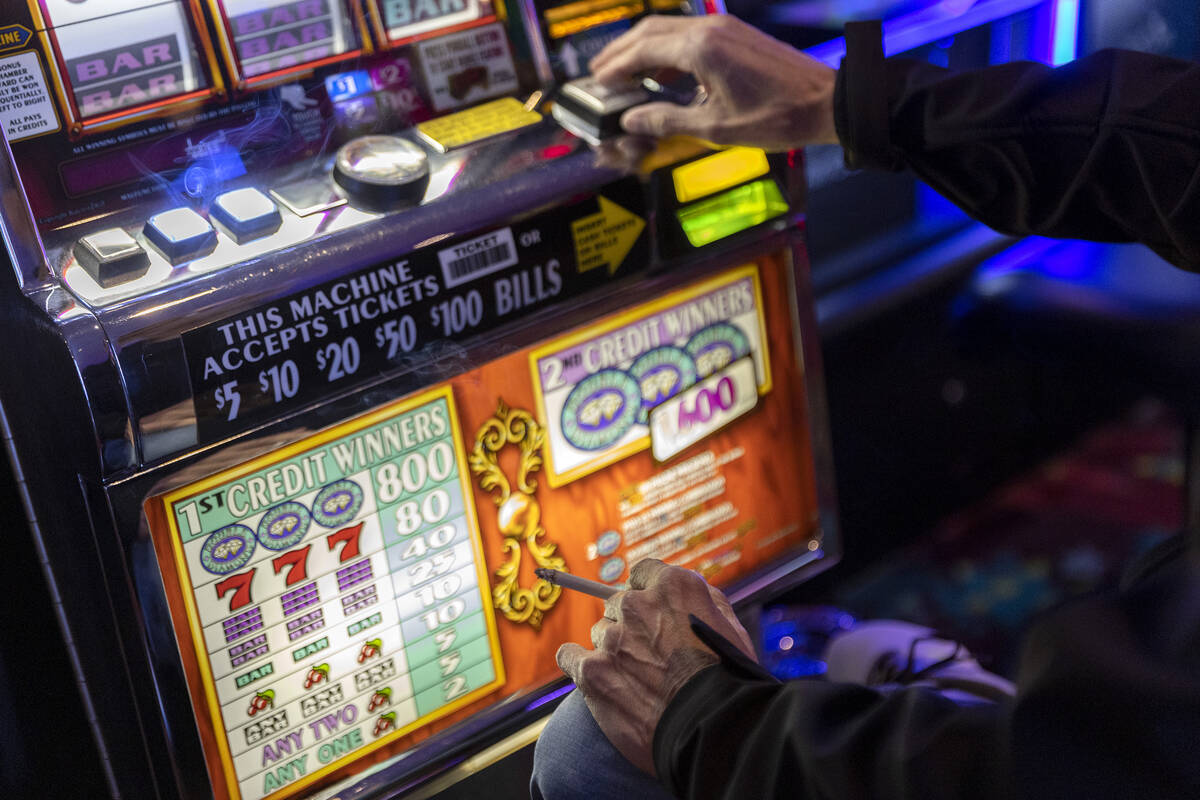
519, 514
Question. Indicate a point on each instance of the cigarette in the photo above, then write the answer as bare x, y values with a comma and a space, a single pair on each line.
569, 581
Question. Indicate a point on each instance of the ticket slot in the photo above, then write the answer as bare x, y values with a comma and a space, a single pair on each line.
265, 41
115, 64
398, 22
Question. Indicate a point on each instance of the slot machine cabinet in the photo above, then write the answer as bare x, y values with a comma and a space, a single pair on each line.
319, 344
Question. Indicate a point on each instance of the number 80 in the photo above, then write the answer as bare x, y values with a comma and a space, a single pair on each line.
432, 508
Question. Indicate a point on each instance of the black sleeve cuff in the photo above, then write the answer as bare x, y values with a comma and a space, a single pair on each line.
708, 688
696, 698
860, 101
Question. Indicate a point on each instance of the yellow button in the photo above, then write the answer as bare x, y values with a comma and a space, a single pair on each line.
719, 171
478, 123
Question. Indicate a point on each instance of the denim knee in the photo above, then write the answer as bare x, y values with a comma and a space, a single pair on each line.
574, 759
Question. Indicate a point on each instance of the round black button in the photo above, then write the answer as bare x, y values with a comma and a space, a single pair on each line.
382, 172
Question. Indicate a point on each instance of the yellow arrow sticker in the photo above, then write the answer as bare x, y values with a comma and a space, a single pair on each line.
604, 239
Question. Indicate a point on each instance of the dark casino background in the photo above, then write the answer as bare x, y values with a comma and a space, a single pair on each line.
325, 325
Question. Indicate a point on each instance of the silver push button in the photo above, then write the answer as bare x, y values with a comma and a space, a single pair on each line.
247, 214
111, 256
309, 196
181, 234
382, 172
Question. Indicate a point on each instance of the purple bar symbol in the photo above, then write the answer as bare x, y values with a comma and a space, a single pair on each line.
250, 655
359, 600
249, 644
302, 626
237, 627
300, 598
354, 574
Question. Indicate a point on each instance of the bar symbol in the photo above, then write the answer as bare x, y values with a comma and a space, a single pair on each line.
354, 574
359, 600
302, 626
248, 650
238, 626
298, 599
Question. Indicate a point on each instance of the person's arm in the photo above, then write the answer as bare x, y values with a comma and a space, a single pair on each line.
758, 90
721, 727
1106, 148
729, 738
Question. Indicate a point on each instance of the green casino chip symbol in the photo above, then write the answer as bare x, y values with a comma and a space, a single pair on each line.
661, 374
337, 504
716, 347
601, 409
283, 526
228, 549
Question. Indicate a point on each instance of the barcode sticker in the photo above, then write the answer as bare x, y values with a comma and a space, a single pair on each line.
483, 255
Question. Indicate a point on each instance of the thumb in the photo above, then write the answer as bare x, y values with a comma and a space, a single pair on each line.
662, 119
740, 636
569, 657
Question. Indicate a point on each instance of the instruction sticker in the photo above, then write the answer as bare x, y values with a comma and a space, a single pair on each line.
25, 105
476, 124
606, 237
469, 66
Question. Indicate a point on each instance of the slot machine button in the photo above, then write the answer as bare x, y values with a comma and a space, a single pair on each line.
181, 234
309, 196
247, 214
592, 111
382, 172
111, 256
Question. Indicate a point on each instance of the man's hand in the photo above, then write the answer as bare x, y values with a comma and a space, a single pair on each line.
760, 92
645, 651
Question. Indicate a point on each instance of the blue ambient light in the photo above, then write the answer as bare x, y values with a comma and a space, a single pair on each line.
1065, 32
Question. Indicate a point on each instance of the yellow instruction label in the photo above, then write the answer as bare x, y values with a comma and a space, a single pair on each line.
476, 124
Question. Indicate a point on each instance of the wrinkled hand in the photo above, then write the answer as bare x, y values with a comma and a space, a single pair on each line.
645, 651
760, 91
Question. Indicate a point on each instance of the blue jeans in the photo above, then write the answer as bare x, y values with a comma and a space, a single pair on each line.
574, 759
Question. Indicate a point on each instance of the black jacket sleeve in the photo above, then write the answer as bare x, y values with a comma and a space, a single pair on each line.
733, 737
1107, 708
1106, 148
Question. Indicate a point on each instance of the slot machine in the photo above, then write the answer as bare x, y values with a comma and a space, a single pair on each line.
322, 335
575, 30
